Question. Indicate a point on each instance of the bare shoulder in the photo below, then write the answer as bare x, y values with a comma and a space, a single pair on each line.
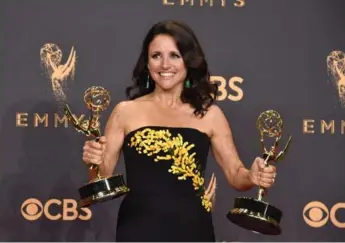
214, 112
121, 107
128, 109
217, 120
121, 111
136, 105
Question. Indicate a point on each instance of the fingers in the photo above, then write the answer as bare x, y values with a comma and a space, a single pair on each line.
213, 185
210, 192
207, 191
213, 190
268, 172
267, 177
260, 162
95, 145
91, 158
102, 140
264, 174
267, 181
266, 184
93, 151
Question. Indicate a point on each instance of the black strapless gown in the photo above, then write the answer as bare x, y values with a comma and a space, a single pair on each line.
165, 172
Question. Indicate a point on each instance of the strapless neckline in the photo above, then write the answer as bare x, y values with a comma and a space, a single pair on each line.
165, 171
167, 127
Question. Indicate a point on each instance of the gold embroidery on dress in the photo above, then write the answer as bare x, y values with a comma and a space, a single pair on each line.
152, 142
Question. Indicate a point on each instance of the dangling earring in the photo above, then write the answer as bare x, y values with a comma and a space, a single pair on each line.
148, 81
187, 83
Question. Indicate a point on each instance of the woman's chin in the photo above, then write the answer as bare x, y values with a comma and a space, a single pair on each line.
168, 86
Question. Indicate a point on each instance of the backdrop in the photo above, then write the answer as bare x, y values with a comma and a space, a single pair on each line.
265, 54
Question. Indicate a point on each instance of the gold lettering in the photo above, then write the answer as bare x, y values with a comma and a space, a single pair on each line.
306, 125
57, 120
166, 2
191, 2
80, 119
221, 87
43, 120
325, 126
240, 3
38, 119
46, 209
206, 1
88, 214
20, 118
235, 88
69, 212
232, 84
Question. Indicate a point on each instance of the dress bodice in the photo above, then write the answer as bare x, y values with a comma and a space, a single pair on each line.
166, 162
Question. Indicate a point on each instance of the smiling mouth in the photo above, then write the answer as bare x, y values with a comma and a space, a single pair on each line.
166, 74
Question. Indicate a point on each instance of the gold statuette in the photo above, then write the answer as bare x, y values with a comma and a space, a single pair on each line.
97, 99
253, 213
101, 188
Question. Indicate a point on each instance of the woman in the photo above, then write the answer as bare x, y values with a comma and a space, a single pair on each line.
165, 131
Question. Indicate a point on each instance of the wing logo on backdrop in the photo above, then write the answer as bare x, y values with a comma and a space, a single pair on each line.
58, 73
51, 57
201, 3
336, 71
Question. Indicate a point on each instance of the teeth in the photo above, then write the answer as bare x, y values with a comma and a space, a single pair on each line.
166, 74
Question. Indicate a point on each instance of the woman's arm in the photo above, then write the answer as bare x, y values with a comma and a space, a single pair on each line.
225, 153
111, 142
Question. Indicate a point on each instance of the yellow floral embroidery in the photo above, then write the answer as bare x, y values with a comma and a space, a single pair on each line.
151, 142
206, 202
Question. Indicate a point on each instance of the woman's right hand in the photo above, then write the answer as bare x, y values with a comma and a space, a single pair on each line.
93, 152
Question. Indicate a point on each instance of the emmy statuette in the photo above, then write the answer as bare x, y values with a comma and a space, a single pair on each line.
101, 188
255, 214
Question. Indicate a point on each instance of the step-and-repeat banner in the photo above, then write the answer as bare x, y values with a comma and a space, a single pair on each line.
264, 54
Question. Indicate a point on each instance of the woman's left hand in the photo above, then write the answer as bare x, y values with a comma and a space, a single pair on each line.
262, 175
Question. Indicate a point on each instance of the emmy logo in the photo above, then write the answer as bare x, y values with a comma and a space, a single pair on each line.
51, 57
336, 70
96, 99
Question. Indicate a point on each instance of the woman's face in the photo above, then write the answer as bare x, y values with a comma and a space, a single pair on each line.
165, 63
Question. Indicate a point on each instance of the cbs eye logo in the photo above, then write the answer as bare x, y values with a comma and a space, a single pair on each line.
66, 209
316, 214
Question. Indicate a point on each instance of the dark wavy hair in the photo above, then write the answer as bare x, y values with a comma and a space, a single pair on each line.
202, 93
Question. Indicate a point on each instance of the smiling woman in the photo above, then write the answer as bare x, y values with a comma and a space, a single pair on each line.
171, 55
165, 131
165, 63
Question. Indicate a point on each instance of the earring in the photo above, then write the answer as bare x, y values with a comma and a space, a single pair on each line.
148, 81
187, 83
